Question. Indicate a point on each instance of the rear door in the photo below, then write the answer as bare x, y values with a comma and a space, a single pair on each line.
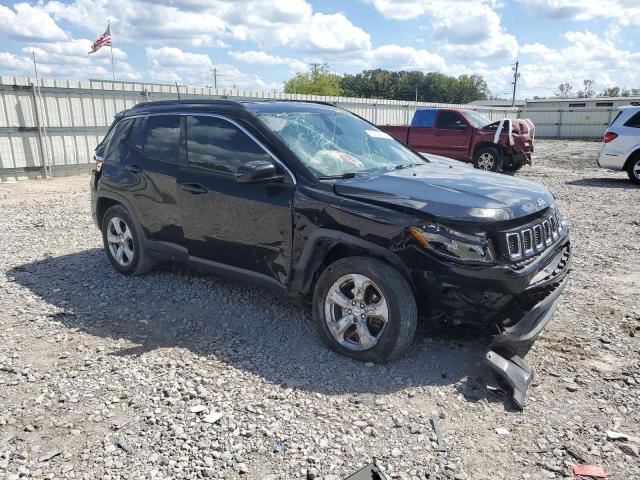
452, 135
421, 133
245, 226
150, 171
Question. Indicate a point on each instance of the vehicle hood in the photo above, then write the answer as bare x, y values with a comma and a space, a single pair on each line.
450, 192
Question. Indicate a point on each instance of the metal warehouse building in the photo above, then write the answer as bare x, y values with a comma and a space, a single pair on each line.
593, 102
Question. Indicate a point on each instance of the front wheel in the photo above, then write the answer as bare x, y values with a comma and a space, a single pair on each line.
488, 158
634, 170
364, 308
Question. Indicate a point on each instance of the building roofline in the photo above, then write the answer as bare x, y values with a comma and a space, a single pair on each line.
584, 99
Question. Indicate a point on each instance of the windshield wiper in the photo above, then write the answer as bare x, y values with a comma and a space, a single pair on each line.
333, 177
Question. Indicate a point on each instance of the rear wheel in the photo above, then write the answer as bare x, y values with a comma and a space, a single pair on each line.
634, 170
122, 243
364, 308
488, 158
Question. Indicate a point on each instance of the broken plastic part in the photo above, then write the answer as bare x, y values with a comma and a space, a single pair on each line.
511, 373
442, 445
501, 125
589, 471
370, 472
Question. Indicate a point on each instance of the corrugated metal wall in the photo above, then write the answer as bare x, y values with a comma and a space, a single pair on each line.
63, 127
570, 123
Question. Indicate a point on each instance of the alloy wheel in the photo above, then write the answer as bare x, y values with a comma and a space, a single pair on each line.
486, 161
356, 312
636, 170
120, 242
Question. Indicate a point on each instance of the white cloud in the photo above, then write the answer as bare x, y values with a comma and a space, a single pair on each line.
395, 57
464, 28
586, 56
171, 64
15, 64
269, 23
67, 67
626, 12
29, 22
263, 58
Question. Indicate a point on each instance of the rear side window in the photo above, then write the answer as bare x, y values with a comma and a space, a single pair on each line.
114, 137
450, 121
216, 144
424, 118
634, 121
162, 137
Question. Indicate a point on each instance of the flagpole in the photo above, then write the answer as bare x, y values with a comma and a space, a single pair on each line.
113, 68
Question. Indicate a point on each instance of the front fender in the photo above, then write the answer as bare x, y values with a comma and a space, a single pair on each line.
318, 245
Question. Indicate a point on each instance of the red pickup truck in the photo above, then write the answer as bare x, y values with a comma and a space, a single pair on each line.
469, 136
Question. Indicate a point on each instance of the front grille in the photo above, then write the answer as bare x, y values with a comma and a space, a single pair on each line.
532, 240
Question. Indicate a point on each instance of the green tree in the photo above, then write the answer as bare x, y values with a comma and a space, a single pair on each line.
564, 90
412, 85
318, 80
611, 92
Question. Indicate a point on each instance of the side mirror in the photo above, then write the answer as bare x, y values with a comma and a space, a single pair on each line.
258, 171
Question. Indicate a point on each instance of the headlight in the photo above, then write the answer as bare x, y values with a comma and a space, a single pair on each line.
455, 245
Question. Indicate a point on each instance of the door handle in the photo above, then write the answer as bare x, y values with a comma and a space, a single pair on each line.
133, 168
193, 188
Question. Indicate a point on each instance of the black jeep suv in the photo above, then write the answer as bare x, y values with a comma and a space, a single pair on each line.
319, 204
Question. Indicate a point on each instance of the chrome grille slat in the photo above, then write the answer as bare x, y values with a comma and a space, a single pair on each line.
527, 241
535, 239
538, 237
515, 245
546, 228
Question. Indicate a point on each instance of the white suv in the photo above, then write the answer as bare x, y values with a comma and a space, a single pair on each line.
621, 149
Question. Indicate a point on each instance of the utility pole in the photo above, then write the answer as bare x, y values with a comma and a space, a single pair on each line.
515, 82
416, 94
215, 77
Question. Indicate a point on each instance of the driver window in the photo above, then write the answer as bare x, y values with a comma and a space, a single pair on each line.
216, 144
450, 121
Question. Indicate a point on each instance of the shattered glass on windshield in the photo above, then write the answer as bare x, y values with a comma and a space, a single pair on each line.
334, 143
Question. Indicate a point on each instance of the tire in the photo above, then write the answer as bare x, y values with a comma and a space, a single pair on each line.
386, 340
633, 170
134, 260
488, 158
513, 168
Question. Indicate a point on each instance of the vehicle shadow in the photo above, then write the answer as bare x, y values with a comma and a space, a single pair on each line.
621, 182
247, 327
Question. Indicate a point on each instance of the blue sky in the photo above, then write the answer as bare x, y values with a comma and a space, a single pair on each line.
257, 44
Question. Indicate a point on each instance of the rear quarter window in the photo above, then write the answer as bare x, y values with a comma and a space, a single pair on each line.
114, 137
634, 121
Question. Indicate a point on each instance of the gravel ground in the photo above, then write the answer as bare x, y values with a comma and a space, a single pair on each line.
178, 374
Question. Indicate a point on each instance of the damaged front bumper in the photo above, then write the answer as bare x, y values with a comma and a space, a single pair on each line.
509, 305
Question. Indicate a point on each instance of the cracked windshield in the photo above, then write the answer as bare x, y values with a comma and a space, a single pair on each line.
336, 144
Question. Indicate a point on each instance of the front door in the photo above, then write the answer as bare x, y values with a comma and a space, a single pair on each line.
452, 135
246, 226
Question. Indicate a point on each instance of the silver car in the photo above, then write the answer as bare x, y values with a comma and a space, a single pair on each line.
621, 148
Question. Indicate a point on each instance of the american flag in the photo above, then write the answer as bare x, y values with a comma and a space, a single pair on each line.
104, 39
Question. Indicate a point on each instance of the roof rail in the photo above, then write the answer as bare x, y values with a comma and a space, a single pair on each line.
188, 101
